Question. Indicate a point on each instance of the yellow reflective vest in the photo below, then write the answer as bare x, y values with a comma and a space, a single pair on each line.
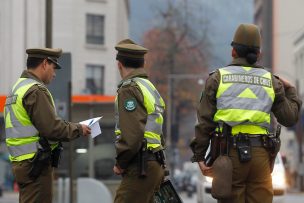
244, 99
155, 106
21, 135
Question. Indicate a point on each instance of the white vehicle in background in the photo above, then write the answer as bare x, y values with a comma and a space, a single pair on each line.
278, 183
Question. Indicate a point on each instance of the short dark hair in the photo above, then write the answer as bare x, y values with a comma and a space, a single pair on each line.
33, 62
131, 62
248, 52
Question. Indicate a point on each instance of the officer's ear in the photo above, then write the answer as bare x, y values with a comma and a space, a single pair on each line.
44, 63
119, 65
259, 54
234, 53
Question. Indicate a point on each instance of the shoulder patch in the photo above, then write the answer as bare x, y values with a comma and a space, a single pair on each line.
130, 104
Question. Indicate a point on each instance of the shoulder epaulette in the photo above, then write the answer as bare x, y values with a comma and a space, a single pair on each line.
276, 76
41, 86
211, 73
127, 82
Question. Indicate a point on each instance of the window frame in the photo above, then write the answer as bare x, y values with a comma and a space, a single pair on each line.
98, 89
93, 23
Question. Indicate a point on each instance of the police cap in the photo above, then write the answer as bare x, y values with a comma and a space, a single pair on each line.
248, 35
129, 49
48, 53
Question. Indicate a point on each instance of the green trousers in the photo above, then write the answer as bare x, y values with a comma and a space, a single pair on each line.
133, 189
251, 181
33, 191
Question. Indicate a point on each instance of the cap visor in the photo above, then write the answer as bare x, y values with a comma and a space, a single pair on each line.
58, 66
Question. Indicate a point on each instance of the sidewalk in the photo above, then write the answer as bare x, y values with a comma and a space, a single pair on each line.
9, 197
294, 191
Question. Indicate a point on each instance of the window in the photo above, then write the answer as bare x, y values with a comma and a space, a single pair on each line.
94, 79
95, 29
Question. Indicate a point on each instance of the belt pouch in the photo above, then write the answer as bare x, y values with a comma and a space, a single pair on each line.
243, 148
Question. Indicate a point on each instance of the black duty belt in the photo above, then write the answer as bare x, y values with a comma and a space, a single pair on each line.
255, 140
150, 156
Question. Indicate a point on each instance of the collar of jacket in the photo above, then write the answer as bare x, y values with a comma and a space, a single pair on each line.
140, 72
28, 74
243, 62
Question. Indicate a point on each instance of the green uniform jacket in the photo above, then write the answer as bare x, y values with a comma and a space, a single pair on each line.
286, 109
38, 104
132, 123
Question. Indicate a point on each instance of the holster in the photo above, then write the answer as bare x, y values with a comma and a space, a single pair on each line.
160, 157
273, 144
56, 155
214, 151
143, 159
218, 145
41, 159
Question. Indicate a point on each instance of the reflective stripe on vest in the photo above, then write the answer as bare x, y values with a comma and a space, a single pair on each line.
19, 150
21, 135
244, 99
154, 105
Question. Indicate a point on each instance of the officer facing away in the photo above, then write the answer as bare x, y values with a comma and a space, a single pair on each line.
33, 130
243, 95
139, 119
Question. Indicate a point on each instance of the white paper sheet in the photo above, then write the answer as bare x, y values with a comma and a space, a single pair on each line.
94, 125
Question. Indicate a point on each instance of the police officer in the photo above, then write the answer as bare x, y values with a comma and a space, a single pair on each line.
33, 130
139, 116
243, 95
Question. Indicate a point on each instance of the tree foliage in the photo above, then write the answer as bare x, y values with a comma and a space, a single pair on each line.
178, 44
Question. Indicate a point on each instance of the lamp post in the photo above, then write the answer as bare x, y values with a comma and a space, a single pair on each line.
170, 110
48, 23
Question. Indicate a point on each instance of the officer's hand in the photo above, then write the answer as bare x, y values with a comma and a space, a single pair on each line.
86, 130
206, 171
117, 170
285, 82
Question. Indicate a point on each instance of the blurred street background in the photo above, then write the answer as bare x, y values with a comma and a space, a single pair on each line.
186, 39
